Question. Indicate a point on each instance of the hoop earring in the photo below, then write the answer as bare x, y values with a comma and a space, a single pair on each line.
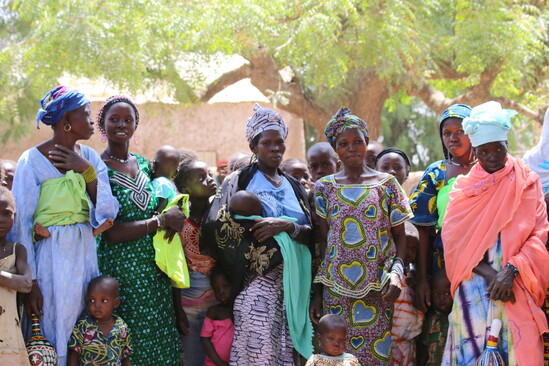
103, 137
136, 140
67, 129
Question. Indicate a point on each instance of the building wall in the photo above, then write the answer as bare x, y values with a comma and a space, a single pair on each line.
215, 131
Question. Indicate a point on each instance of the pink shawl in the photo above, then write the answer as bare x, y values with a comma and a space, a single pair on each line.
509, 202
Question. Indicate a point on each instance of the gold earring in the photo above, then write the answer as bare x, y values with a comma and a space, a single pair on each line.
67, 129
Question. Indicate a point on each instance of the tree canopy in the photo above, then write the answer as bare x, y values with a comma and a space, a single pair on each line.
362, 53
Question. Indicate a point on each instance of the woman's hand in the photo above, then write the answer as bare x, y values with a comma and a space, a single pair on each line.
66, 159
267, 228
501, 288
34, 301
422, 295
315, 309
390, 293
174, 222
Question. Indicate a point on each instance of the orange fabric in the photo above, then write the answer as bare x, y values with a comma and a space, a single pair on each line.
509, 202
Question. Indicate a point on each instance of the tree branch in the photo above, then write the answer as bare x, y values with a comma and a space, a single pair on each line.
227, 79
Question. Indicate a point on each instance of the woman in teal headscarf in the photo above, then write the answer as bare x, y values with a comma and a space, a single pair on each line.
429, 200
63, 199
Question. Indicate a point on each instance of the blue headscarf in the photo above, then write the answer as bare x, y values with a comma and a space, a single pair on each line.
57, 101
460, 111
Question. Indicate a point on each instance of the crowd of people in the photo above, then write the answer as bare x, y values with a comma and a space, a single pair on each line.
276, 261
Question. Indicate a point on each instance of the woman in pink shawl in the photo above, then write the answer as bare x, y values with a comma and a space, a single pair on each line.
494, 235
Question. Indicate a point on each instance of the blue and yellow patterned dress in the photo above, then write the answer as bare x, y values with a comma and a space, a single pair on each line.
145, 291
358, 259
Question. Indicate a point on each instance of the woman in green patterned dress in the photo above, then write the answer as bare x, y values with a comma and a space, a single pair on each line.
126, 251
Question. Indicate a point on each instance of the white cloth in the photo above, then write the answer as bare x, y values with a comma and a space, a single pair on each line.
64, 263
538, 157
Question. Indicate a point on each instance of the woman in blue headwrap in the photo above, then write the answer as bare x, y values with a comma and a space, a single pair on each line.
362, 214
63, 200
429, 200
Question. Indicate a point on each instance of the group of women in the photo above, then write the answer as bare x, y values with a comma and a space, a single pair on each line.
67, 194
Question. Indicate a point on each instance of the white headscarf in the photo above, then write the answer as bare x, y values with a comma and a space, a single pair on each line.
538, 157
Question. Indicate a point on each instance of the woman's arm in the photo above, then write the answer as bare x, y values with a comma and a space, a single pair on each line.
125, 231
392, 290
180, 315
422, 294
270, 226
22, 280
315, 310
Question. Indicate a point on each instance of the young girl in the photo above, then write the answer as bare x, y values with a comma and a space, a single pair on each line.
218, 328
15, 276
332, 334
362, 213
100, 337
193, 178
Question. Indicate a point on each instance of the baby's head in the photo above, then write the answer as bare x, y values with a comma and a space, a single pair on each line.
7, 168
412, 242
102, 297
7, 211
322, 160
246, 204
332, 334
221, 285
395, 162
297, 169
165, 162
440, 292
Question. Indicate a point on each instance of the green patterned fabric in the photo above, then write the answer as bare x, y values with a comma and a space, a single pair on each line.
145, 291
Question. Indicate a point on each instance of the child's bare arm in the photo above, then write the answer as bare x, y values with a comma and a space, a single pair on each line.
22, 281
72, 359
125, 362
211, 352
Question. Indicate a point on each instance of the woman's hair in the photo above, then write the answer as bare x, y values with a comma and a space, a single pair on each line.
396, 151
6, 193
108, 104
180, 179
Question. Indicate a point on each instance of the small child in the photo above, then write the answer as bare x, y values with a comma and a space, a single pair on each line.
395, 162
322, 160
8, 172
164, 167
407, 320
100, 337
435, 328
218, 328
246, 203
299, 170
332, 336
15, 276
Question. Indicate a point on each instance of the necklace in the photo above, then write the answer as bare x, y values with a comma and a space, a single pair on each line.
123, 161
451, 161
272, 180
105, 322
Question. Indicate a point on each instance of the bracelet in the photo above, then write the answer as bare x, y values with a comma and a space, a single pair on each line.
147, 225
35, 282
161, 221
515, 269
89, 174
296, 231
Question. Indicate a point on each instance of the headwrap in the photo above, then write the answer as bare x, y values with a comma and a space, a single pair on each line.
341, 121
460, 111
265, 119
488, 123
538, 158
57, 101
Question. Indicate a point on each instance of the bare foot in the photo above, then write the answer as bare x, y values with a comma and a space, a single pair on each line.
40, 232
103, 227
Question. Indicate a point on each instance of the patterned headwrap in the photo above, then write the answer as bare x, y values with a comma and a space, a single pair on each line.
57, 101
456, 111
265, 119
341, 121
488, 123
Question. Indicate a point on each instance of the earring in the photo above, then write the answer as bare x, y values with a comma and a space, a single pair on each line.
136, 140
103, 137
67, 129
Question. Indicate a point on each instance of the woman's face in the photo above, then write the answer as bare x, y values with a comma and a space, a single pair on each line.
120, 122
394, 164
270, 148
492, 156
453, 137
81, 122
351, 147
